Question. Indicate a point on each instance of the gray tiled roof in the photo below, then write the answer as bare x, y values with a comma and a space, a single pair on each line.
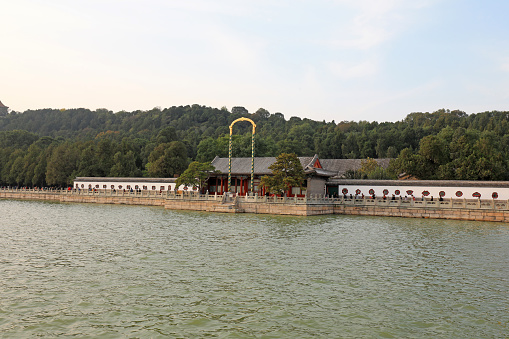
242, 166
340, 166
331, 167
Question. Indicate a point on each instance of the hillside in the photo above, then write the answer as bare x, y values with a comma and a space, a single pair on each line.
51, 147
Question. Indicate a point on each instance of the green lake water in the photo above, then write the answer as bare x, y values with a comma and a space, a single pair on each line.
109, 271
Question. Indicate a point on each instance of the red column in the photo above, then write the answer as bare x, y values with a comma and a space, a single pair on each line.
241, 185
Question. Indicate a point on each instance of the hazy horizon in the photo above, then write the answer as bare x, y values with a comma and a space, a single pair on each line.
323, 60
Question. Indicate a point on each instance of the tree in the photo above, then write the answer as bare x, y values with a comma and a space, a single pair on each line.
167, 160
61, 165
39, 178
209, 148
88, 164
392, 152
368, 165
166, 135
17, 139
195, 174
406, 163
30, 162
124, 165
287, 172
370, 169
434, 150
105, 153
239, 110
16, 176
262, 113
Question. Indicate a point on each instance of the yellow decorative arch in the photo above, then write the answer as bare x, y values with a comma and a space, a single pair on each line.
230, 153
242, 119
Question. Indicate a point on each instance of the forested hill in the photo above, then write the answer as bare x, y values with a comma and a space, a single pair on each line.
51, 147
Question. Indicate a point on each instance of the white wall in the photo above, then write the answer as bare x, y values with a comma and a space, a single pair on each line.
150, 185
450, 192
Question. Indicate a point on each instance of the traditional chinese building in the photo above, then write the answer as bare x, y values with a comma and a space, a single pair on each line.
318, 173
322, 177
3, 109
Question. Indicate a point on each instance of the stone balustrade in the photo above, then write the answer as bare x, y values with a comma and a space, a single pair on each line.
483, 204
466, 209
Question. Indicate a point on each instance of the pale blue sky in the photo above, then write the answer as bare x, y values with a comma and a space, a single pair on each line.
321, 59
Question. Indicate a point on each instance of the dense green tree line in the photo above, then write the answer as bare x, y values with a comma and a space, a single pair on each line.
51, 147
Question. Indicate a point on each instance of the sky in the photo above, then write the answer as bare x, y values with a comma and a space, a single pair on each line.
372, 60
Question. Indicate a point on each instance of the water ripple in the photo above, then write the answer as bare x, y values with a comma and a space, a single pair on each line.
122, 271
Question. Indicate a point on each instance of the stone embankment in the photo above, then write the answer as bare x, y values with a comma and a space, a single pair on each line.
459, 209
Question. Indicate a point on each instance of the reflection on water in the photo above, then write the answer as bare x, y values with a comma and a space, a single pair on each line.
123, 271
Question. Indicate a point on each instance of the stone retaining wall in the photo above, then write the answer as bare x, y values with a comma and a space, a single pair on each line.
120, 200
285, 209
276, 208
431, 213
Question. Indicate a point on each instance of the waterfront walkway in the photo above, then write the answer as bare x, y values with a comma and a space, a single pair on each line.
466, 209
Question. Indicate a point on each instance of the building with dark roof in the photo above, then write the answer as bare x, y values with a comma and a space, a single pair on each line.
318, 172
323, 176
3, 109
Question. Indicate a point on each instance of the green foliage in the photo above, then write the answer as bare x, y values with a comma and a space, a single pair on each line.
62, 164
287, 172
440, 145
456, 154
167, 160
370, 169
167, 135
124, 165
195, 174
17, 139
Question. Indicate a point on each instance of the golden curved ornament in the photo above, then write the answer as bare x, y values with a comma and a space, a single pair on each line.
230, 152
242, 119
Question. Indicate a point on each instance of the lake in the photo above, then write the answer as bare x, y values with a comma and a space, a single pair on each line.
111, 271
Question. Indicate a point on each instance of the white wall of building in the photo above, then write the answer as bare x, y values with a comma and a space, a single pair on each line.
127, 185
419, 191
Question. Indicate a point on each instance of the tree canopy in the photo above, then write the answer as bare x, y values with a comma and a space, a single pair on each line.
52, 146
196, 174
287, 172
